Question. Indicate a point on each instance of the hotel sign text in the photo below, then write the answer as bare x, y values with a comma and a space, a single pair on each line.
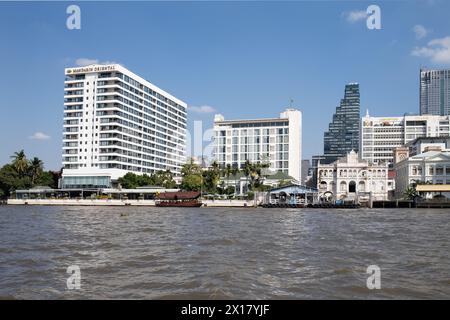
90, 69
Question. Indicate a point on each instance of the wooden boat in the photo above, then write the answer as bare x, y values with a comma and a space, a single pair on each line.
178, 199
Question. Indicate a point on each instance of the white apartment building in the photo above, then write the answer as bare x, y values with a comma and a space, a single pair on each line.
277, 141
380, 135
352, 179
117, 122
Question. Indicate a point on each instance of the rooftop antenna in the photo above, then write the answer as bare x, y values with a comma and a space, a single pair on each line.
291, 101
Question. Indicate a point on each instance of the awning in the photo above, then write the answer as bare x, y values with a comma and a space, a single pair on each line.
433, 188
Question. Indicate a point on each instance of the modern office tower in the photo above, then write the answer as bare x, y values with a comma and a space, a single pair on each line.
380, 135
435, 92
277, 141
116, 122
343, 132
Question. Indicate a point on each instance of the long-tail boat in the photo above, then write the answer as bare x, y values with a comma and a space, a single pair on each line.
178, 199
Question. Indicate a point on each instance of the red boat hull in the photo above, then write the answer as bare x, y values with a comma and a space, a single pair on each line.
178, 204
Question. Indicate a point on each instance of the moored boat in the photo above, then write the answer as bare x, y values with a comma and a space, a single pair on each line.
178, 199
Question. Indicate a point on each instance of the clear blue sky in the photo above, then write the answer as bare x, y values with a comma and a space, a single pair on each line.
243, 59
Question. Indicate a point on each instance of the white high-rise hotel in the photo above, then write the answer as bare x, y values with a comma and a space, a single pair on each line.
116, 122
277, 141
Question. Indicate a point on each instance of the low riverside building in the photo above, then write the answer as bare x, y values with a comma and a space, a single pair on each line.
293, 195
430, 168
44, 192
352, 179
277, 141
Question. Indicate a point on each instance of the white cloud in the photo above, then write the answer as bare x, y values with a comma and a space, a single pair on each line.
202, 109
437, 50
420, 31
354, 16
39, 136
81, 62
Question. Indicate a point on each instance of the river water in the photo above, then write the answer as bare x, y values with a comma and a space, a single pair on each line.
223, 253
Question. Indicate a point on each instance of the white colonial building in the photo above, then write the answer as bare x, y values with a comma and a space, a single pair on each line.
432, 168
352, 179
117, 122
277, 141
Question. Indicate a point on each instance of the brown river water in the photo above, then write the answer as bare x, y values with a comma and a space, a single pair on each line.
223, 253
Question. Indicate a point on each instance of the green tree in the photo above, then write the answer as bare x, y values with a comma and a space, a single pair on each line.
35, 168
192, 182
227, 171
253, 173
129, 181
11, 180
191, 168
20, 162
211, 179
164, 179
48, 178
229, 190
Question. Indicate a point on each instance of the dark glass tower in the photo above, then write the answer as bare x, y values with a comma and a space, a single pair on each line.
435, 92
343, 132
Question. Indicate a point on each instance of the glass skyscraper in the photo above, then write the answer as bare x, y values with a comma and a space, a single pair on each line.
435, 92
343, 132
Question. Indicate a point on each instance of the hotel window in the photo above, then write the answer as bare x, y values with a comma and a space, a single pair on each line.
439, 171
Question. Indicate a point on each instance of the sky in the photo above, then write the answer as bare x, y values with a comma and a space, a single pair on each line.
239, 59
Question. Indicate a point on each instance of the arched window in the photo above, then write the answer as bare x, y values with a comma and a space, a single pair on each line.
343, 186
352, 186
361, 186
323, 186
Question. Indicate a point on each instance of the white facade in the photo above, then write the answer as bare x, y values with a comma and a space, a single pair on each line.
350, 178
431, 167
380, 135
277, 141
116, 122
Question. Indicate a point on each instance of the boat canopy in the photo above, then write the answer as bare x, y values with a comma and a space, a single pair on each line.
182, 195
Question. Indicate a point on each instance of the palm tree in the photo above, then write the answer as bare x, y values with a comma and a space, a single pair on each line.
247, 170
20, 162
410, 193
36, 166
215, 166
191, 168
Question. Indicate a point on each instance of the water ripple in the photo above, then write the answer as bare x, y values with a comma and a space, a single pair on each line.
213, 253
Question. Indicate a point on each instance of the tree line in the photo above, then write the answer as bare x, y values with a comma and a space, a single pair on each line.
24, 173
195, 178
